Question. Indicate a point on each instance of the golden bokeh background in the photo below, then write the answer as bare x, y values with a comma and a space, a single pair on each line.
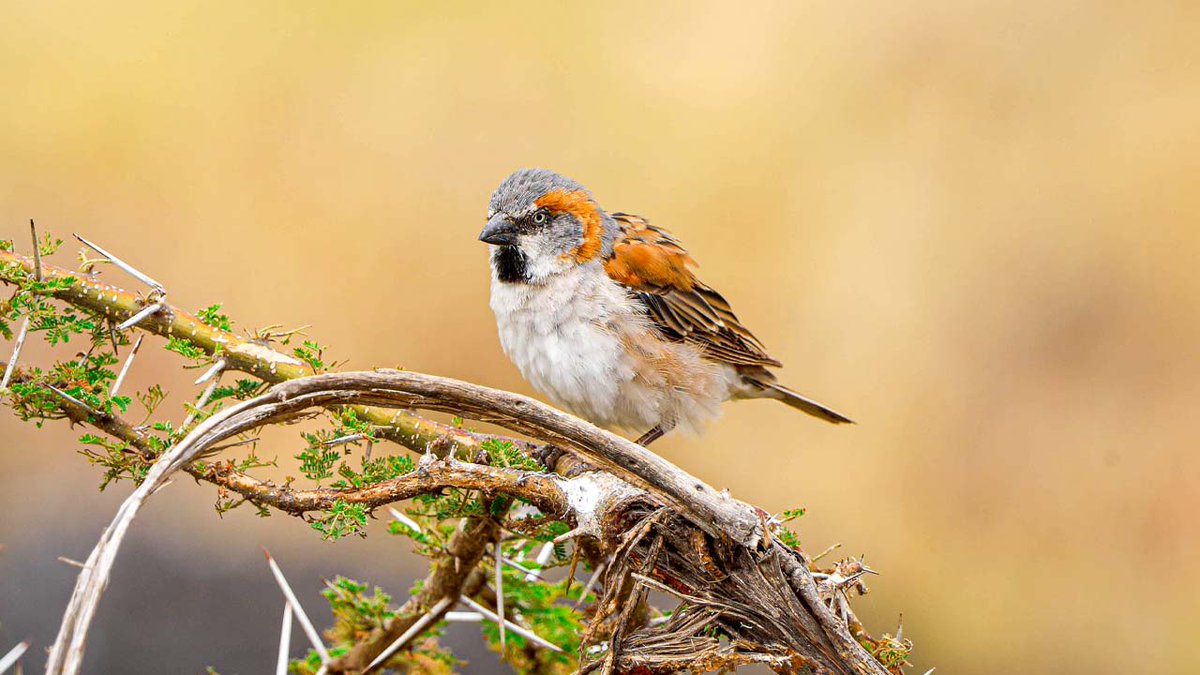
971, 226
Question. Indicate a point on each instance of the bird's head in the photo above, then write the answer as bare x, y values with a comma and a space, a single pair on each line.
541, 224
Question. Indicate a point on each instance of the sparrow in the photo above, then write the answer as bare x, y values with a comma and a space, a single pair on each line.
602, 313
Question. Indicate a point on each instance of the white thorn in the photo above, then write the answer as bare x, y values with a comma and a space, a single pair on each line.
137, 318
500, 593
211, 372
516, 628
13, 655
341, 440
523, 569
125, 368
570, 535
587, 588
133, 271
208, 392
413, 631
37, 252
404, 519
462, 617
543, 557
71, 399
313, 636
285, 640
12, 362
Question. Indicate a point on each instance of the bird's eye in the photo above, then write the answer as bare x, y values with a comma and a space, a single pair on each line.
540, 217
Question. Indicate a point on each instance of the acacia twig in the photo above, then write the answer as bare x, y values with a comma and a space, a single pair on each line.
248, 355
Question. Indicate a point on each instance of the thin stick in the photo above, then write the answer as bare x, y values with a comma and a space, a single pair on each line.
285, 640
571, 572
71, 399
543, 557
342, 440
500, 593
133, 271
211, 372
826, 552
125, 368
13, 655
587, 588
462, 617
514, 627
413, 631
69, 561
37, 253
530, 574
405, 519
12, 362
208, 392
305, 624
137, 318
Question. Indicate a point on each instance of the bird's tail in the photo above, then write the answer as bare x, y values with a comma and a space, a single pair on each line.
772, 389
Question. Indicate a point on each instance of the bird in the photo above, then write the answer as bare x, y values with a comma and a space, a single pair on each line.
602, 313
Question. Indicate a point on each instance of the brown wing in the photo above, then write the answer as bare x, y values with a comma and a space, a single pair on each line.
655, 267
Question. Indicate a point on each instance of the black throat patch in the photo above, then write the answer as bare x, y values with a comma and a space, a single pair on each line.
510, 265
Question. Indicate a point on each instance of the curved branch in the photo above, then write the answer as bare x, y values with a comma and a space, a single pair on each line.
431, 476
715, 511
538, 489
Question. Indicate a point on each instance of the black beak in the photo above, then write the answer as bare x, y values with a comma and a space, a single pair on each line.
499, 231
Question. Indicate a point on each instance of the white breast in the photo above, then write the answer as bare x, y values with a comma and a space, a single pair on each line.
555, 334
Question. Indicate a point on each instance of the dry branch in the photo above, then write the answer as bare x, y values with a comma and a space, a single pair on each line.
716, 560
646, 523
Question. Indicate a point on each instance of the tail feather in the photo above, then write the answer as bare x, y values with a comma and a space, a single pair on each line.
782, 393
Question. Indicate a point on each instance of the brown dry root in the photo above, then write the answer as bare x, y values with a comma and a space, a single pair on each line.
736, 605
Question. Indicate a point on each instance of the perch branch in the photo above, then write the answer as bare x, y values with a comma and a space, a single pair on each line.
761, 591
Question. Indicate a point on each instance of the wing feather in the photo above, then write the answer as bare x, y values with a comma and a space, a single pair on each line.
656, 268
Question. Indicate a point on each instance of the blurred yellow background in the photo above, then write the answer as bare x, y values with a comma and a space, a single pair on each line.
973, 228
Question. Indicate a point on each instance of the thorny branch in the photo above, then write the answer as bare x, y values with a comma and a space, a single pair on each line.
744, 596
247, 355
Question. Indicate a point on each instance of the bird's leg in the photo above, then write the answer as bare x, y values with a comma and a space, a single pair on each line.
650, 436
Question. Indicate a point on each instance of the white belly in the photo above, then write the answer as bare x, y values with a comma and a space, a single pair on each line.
580, 340
554, 333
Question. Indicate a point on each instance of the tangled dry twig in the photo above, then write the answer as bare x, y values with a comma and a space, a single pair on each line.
706, 548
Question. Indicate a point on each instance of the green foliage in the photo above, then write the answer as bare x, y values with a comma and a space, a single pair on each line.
85, 379
545, 607
213, 317
311, 353
891, 651
151, 399
373, 471
785, 535
316, 461
240, 390
354, 612
118, 459
359, 609
327, 446
341, 520
186, 349
504, 453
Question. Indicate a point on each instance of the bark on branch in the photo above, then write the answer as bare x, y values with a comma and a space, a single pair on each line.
714, 556
655, 526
